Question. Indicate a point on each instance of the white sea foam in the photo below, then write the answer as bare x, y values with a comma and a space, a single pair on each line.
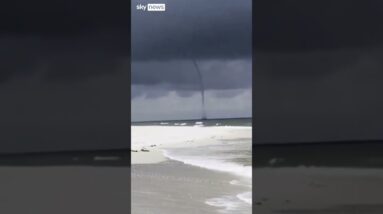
207, 157
246, 197
208, 147
228, 203
241, 183
212, 164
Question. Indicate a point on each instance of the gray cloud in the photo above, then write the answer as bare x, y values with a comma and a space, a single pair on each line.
216, 34
62, 18
63, 59
193, 29
318, 68
319, 95
304, 65
285, 26
63, 41
64, 74
181, 75
172, 106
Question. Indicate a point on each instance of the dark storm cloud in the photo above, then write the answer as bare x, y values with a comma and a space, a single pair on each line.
305, 65
318, 71
59, 59
63, 40
192, 29
62, 18
342, 105
310, 25
321, 102
216, 34
64, 73
181, 75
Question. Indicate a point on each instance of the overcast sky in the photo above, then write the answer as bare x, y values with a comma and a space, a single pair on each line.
65, 66
64, 75
165, 83
319, 71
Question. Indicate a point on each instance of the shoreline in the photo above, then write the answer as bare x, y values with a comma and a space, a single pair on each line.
196, 136
169, 161
155, 155
172, 187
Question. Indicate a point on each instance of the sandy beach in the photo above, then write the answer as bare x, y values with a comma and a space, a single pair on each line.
191, 169
173, 187
158, 138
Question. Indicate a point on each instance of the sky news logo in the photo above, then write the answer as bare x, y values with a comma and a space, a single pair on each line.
151, 7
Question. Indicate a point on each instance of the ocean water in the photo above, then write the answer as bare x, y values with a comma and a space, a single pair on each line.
219, 145
240, 122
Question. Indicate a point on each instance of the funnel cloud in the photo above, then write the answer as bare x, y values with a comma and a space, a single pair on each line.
193, 49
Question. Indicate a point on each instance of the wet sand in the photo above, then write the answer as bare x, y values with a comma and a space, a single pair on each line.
162, 184
172, 187
162, 137
155, 155
64, 190
321, 190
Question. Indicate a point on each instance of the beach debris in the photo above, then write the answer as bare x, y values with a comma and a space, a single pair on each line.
133, 150
153, 145
144, 149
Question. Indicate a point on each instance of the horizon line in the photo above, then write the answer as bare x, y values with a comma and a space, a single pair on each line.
170, 120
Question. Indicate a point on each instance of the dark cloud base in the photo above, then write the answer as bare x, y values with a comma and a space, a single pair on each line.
181, 75
169, 48
316, 25
199, 29
318, 71
64, 74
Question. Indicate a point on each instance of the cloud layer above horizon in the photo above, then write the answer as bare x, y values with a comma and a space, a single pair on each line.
216, 35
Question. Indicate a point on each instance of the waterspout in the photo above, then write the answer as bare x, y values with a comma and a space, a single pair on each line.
202, 89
